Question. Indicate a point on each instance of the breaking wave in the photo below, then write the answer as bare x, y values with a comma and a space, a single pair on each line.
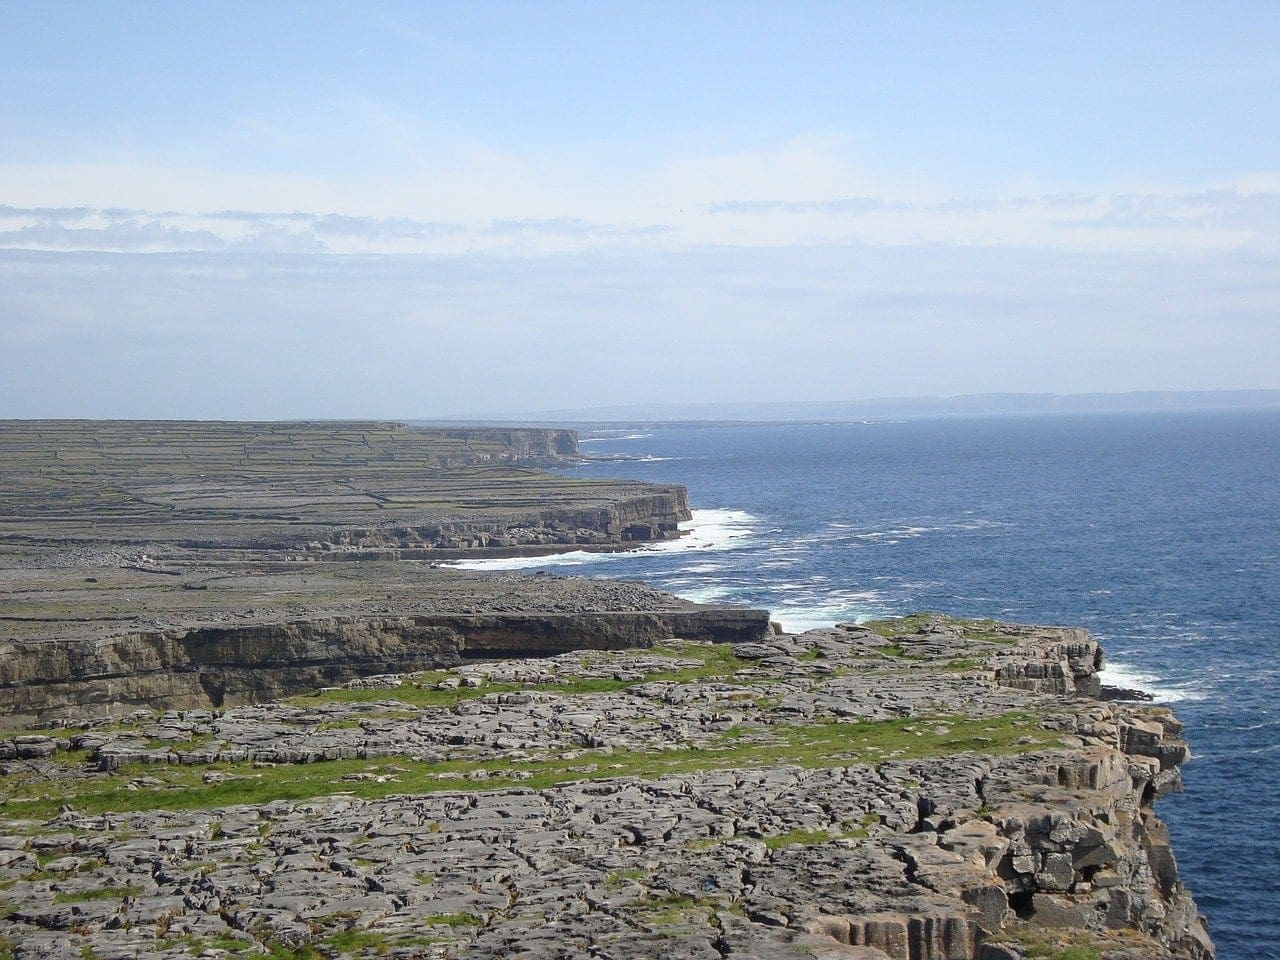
1127, 678
708, 530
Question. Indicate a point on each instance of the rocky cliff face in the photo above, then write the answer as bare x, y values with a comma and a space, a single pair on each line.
896, 791
656, 515
217, 666
523, 445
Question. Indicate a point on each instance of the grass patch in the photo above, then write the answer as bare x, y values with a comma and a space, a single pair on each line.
897, 626
821, 744
278, 951
348, 723
809, 838
706, 843
798, 838
98, 893
422, 691
616, 878
676, 909
1040, 943
454, 920
71, 758
899, 652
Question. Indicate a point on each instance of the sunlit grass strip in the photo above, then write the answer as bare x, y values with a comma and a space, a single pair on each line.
810, 746
422, 690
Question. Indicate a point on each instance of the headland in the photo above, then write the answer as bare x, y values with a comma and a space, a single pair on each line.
249, 717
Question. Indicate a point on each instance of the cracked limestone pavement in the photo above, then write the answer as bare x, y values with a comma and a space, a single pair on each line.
918, 789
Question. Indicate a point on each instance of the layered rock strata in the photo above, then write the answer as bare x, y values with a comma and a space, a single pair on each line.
223, 665
926, 789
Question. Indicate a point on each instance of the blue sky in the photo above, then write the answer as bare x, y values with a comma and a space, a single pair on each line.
1009, 196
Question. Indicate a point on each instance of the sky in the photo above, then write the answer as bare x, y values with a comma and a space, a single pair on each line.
278, 210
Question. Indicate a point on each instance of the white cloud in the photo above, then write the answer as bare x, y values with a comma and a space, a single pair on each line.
271, 335
1211, 219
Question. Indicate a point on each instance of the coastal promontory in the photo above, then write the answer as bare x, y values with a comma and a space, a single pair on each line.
250, 714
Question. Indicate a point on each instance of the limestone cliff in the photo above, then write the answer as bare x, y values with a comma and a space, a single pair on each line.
180, 489
925, 789
206, 666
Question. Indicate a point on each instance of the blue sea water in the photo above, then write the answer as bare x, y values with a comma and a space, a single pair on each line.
1160, 533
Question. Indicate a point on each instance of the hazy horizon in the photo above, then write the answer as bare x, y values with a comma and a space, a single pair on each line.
381, 210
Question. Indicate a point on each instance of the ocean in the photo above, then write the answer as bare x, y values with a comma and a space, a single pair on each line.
1158, 532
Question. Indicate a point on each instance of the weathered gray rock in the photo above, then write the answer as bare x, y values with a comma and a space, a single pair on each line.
688, 803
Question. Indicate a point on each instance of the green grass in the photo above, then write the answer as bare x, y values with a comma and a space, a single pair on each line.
676, 909
98, 893
704, 843
71, 758
897, 626
798, 838
812, 745
422, 691
616, 878
278, 951
380, 944
809, 838
1038, 943
899, 652
454, 920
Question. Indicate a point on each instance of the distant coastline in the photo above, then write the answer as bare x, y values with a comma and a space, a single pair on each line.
894, 408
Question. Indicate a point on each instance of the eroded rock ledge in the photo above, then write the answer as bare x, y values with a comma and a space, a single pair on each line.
219, 666
923, 789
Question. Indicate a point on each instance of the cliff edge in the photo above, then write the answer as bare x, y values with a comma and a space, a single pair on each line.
916, 789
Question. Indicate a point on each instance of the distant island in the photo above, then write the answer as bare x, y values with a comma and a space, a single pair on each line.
966, 405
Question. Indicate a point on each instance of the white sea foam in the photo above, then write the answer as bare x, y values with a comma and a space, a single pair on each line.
717, 529
826, 610
799, 618
573, 558
710, 567
1128, 678
709, 530
896, 534
707, 593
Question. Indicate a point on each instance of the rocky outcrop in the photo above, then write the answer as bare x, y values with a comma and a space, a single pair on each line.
1067, 665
